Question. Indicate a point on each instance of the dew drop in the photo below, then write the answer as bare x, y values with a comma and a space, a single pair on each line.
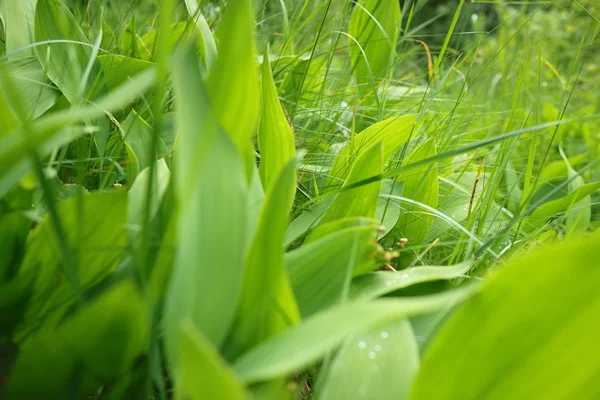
372, 355
384, 335
388, 283
404, 276
375, 368
377, 347
362, 344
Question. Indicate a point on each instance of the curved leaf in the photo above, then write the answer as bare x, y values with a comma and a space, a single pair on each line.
304, 344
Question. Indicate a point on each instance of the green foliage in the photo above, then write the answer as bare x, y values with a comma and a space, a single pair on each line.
516, 351
378, 201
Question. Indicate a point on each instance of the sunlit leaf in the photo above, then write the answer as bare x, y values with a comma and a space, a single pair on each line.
529, 324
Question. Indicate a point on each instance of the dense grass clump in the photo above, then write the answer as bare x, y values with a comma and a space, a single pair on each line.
299, 199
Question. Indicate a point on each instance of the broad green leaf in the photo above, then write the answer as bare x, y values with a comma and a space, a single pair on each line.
118, 69
256, 199
377, 364
233, 80
275, 137
66, 63
362, 200
421, 185
213, 213
338, 225
138, 137
559, 169
304, 344
374, 27
193, 145
18, 18
31, 82
210, 252
52, 131
137, 203
388, 211
308, 219
580, 212
95, 228
137, 193
99, 342
393, 133
209, 47
129, 39
379, 283
531, 332
267, 305
320, 271
203, 374
547, 210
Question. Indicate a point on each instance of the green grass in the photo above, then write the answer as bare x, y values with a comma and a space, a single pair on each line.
299, 199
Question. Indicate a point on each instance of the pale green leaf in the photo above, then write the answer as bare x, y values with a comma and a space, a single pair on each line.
421, 185
267, 305
192, 146
30, 80
138, 138
209, 47
374, 27
275, 137
202, 373
379, 283
65, 63
233, 79
541, 214
208, 262
376, 364
306, 343
18, 17
393, 133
